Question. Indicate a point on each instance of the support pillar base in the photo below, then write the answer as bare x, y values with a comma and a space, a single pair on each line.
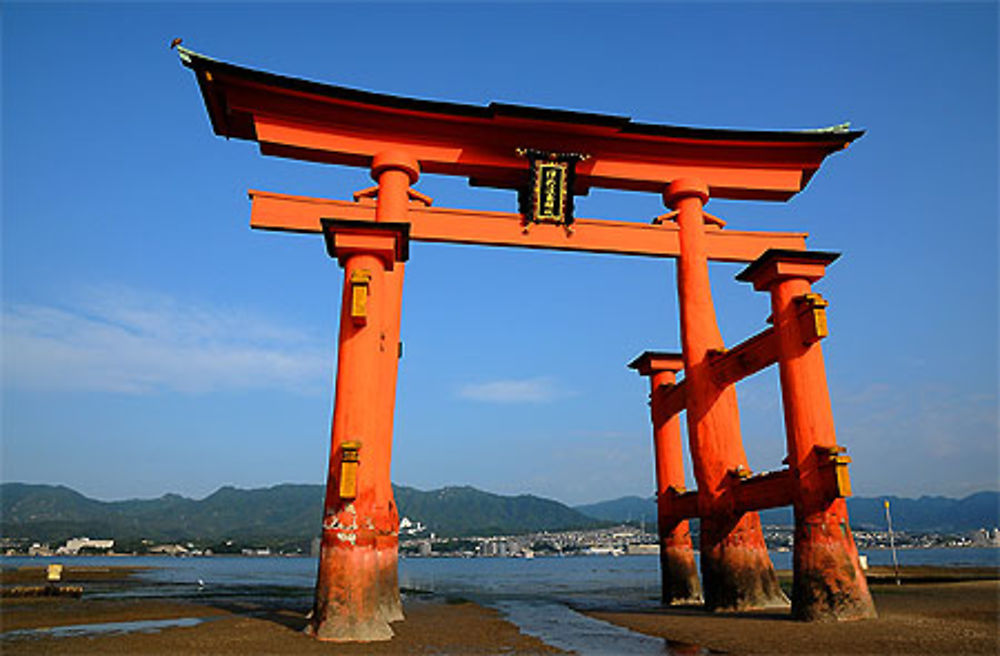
679, 575
345, 629
390, 605
347, 606
829, 584
736, 570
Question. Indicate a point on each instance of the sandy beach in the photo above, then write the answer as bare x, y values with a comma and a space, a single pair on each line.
935, 611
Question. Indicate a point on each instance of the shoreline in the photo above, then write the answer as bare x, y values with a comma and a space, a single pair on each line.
113, 554
936, 610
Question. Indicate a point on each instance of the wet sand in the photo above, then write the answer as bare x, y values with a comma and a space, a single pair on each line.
934, 611
432, 626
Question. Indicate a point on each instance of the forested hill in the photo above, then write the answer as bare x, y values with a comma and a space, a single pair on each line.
980, 510
280, 513
292, 513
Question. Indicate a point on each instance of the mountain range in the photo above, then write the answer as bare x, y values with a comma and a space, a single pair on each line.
290, 514
274, 515
924, 514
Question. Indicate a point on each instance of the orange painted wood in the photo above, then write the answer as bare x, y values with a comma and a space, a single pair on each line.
736, 570
447, 151
300, 119
676, 507
768, 490
679, 573
745, 359
828, 581
283, 212
670, 400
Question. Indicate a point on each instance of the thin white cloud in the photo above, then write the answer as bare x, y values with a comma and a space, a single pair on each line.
125, 340
529, 390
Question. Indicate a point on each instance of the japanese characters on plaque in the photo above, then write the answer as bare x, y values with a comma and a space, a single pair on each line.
548, 195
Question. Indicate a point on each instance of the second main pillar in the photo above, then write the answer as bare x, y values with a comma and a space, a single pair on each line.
736, 570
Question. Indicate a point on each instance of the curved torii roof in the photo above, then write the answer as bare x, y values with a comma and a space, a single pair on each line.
300, 119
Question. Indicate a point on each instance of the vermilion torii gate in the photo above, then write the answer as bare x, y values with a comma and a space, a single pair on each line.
550, 155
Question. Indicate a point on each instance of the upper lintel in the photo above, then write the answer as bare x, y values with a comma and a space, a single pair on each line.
307, 120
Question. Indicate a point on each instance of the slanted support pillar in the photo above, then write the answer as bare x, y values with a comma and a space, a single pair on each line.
678, 572
359, 519
828, 580
736, 570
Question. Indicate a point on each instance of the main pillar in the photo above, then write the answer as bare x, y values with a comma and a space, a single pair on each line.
359, 519
394, 172
736, 570
678, 572
828, 580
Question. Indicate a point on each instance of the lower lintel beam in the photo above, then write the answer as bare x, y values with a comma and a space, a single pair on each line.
287, 213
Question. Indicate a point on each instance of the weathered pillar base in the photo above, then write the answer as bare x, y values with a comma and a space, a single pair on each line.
678, 570
737, 573
390, 605
829, 583
347, 593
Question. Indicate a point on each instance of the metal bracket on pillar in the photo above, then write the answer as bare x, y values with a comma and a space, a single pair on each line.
832, 465
360, 281
741, 473
349, 462
812, 317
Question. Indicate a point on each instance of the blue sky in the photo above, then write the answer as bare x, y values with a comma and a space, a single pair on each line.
153, 343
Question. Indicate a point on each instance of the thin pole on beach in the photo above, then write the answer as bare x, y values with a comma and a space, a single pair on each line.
892, 542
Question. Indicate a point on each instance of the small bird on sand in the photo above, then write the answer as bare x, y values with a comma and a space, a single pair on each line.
176, 42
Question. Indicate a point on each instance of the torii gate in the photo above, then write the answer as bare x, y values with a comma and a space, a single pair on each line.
550, 155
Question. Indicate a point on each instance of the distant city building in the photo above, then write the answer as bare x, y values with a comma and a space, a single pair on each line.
409, 527
256, 552
38, 549
74, 545
169, 550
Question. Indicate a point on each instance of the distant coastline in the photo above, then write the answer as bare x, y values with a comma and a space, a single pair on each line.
283, 520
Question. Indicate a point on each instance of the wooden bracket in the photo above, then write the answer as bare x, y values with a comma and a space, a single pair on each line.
412, 194
672, 216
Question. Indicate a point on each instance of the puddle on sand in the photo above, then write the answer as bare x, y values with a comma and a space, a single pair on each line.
561, 626
106, 628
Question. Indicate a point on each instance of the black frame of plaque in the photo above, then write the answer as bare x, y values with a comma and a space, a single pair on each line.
548, 195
